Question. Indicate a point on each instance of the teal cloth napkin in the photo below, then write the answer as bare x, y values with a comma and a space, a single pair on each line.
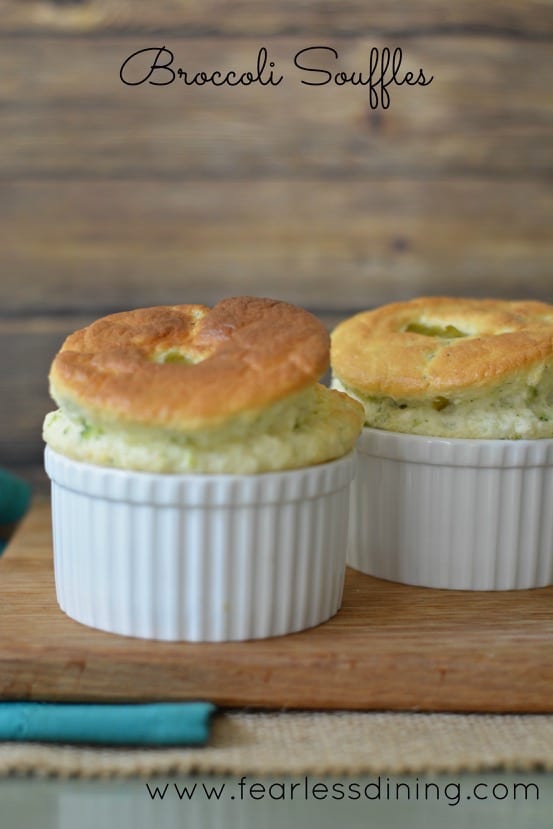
15, 497
152, 724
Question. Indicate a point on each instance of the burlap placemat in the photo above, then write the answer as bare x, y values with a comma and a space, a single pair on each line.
294, 743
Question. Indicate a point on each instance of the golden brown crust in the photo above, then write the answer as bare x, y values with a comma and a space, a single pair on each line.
246, 353
480, 344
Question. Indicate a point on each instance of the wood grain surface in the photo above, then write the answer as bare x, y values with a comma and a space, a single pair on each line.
390, 647
531, 18
487, 112
79, 245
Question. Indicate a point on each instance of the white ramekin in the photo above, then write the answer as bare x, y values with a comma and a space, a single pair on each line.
453, 513
202, 558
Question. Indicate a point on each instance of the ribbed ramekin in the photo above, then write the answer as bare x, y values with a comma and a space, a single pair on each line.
199, 557
462, 514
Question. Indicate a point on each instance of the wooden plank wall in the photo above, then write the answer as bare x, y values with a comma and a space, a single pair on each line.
114, 196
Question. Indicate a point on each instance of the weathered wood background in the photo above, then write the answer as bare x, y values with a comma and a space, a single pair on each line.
114, 196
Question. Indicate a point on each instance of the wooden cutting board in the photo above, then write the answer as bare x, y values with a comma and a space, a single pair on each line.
390, 647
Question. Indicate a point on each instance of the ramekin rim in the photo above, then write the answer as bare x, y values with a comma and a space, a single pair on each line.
460, 442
